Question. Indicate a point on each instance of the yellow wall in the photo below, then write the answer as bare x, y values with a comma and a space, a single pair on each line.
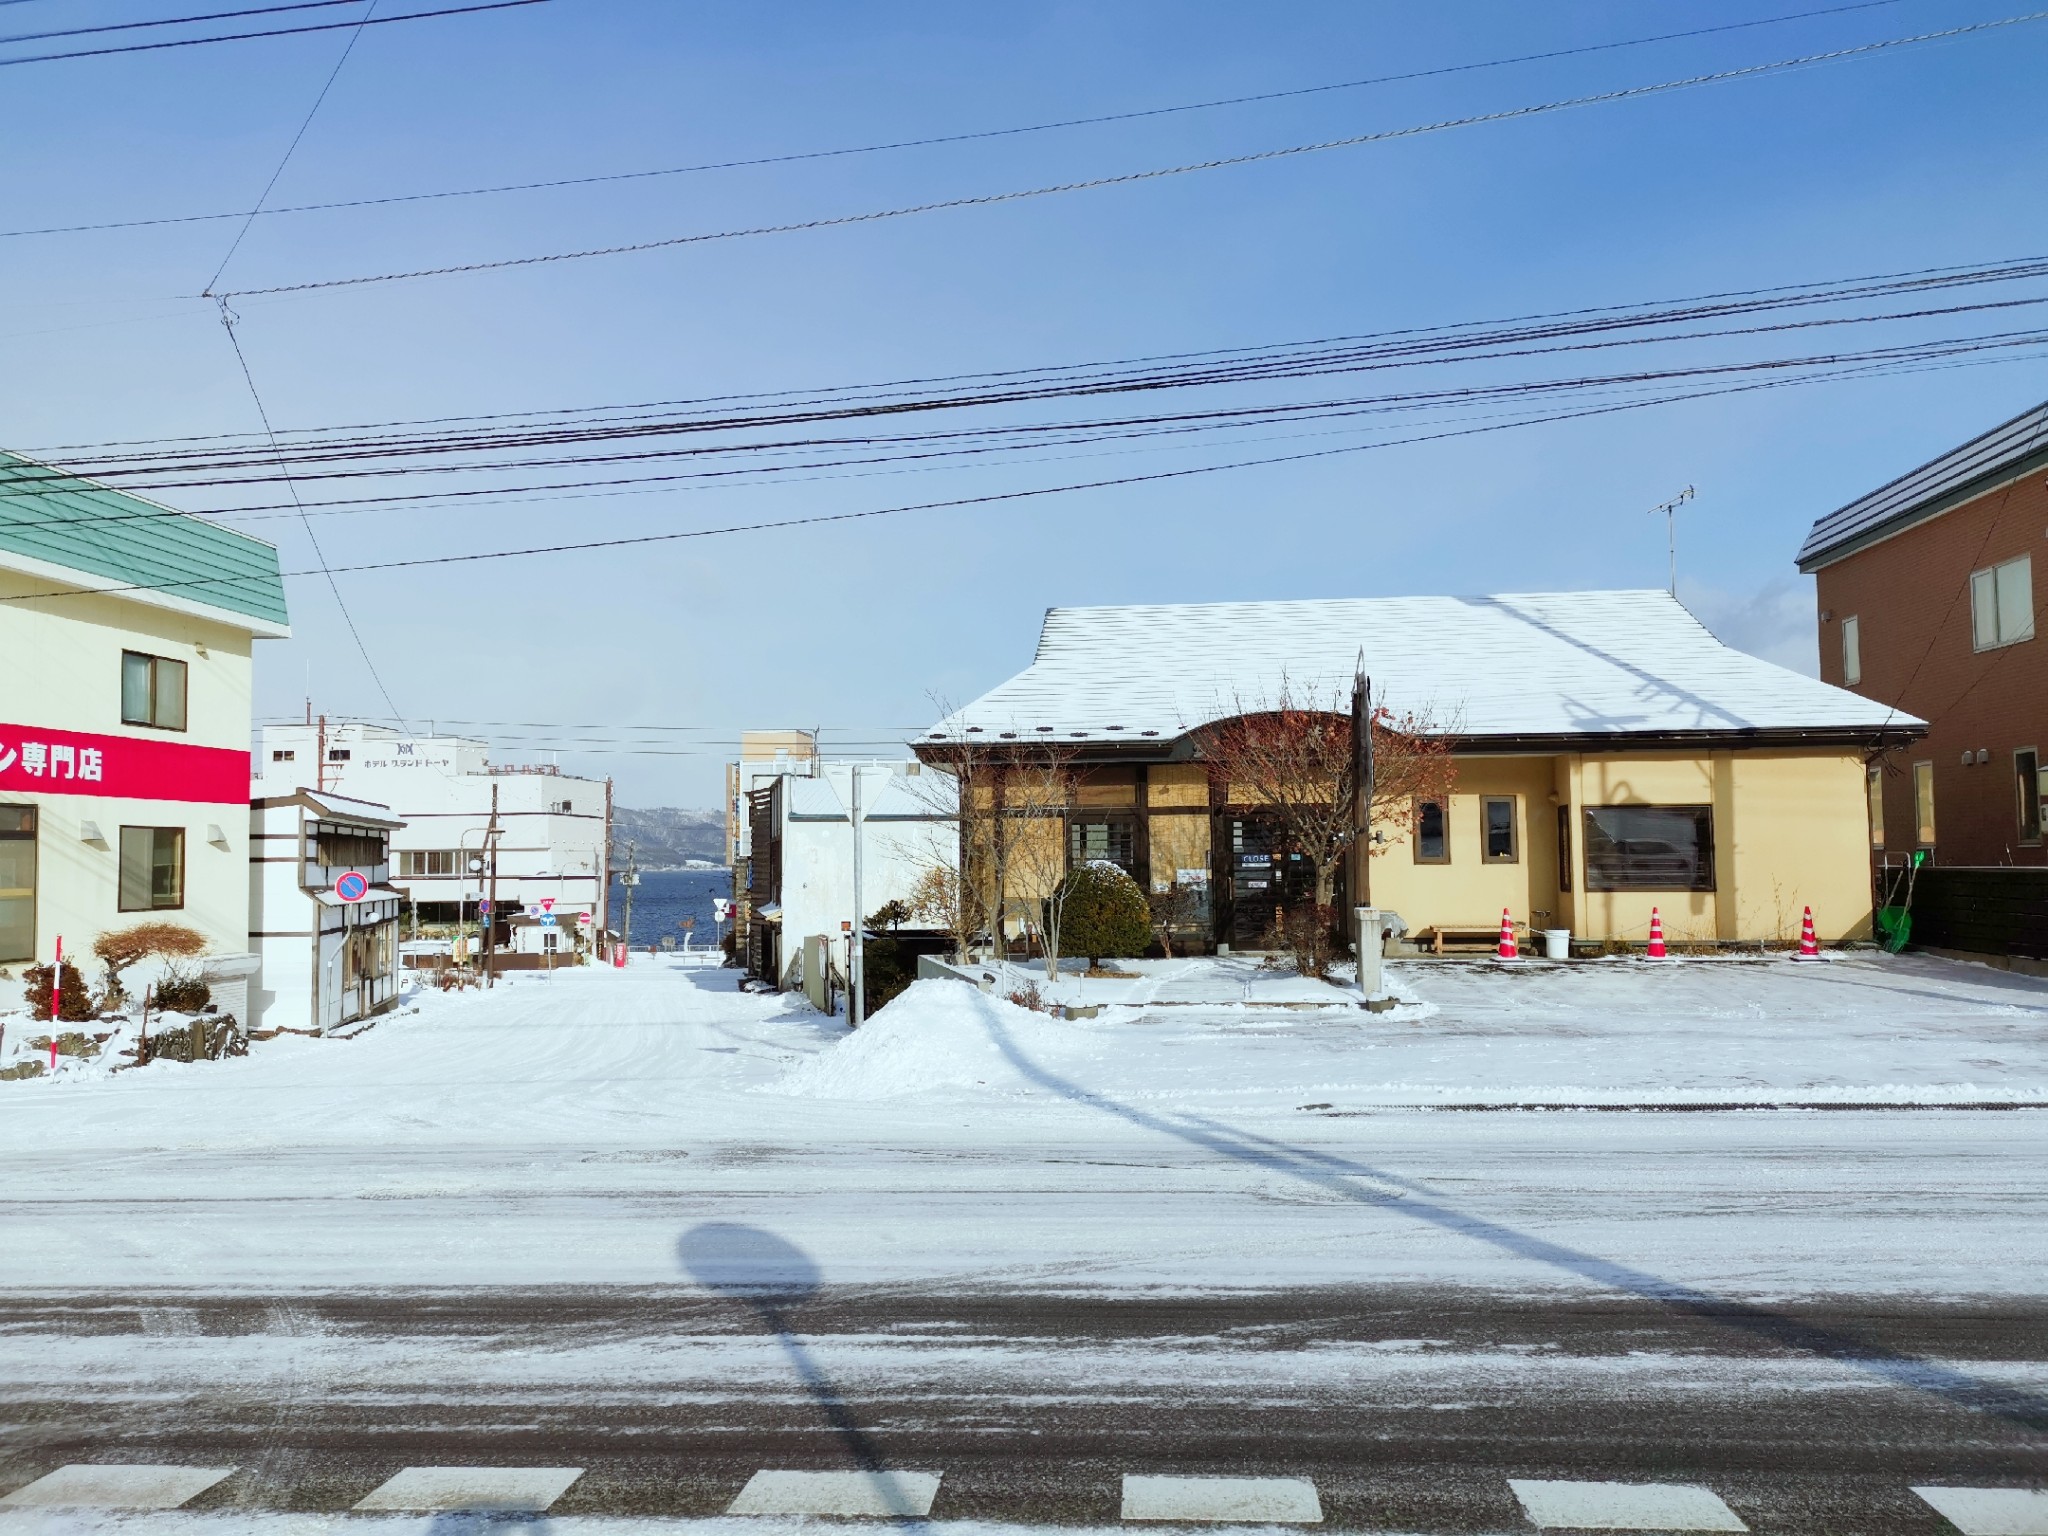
1790, 830
1177, 784
1178, 842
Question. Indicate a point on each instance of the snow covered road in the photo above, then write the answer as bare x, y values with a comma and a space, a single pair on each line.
645, 1225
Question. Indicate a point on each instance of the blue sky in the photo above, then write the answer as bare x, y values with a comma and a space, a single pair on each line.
1921, 157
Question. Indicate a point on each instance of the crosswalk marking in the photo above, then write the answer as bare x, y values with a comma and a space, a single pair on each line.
93, 1485
1991, 1511
482, 1488
1278, 1500
1624, 1506
884, 1494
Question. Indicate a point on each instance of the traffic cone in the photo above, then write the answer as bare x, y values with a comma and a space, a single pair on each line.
1809, 946
1656, 951
1507, 937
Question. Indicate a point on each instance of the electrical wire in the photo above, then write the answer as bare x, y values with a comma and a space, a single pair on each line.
171, 21
1131, 178
947, 138
243, 37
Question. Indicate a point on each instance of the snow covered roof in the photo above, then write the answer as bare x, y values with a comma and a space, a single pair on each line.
1532, 666
333, 807
2011, 448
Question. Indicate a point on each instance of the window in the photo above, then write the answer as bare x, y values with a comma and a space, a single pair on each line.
1497, 826
1564, 847
348, 850
427, 862
152, 868
1092, 842
17, 882
550, 939
2026, 769
284, 755
152, 691
337, 754
1852, 651
1649, 848
1432, 832
1876, 795
2002, 604
1923, 804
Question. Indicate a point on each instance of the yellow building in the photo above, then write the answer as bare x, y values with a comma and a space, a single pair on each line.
126, 632
1608, 756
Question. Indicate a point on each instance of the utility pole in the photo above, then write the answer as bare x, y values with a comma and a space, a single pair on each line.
632, 879
1670, 511
491, 916
856, 958
320, 755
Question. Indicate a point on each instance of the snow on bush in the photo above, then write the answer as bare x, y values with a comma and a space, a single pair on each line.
939, 1035
1105, 914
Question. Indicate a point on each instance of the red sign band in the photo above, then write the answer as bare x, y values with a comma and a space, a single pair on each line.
37, 760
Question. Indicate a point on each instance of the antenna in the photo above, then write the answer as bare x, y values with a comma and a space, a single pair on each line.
1670, 511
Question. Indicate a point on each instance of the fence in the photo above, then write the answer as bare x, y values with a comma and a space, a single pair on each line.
1995, 911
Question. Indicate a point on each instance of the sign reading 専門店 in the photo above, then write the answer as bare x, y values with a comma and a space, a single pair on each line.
35, 759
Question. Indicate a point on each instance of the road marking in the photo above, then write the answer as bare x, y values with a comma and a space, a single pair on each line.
1991, 1511
887, 1494
92, 1485
528, 1489
1624, 1506
1279, 1500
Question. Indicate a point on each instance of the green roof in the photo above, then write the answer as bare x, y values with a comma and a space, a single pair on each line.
51, 515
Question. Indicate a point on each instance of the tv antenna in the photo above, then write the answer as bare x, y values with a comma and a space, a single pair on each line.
1670, 511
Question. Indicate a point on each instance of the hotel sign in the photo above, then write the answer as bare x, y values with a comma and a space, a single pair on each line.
37, 760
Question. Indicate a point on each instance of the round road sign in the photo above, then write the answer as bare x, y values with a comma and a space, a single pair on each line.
351, 887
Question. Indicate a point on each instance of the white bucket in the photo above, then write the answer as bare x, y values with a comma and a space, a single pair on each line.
1557, 943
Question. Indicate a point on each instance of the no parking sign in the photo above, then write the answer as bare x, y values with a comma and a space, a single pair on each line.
352, 887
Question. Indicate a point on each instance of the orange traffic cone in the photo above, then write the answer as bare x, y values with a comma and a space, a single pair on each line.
1809, 946
1657, 936
1507, 937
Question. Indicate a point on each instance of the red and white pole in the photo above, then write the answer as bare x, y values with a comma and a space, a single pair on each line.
56, 999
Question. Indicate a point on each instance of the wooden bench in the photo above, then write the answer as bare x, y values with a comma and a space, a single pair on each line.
1469, 935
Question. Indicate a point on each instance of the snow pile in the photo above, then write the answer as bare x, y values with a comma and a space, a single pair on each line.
940, 1035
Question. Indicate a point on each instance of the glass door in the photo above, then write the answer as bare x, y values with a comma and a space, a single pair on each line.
17, 882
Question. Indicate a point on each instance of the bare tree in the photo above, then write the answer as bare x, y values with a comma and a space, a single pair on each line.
1296, 758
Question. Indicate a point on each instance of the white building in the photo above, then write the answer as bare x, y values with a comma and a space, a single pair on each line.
553, 830
329, 945
801, 877
126, 640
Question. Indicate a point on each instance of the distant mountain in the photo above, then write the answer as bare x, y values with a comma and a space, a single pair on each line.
665, 837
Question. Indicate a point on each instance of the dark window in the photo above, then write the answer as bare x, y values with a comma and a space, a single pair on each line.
1432, 833
17, 882
337, 754
349, 850
2026, 765
152, 691
284, 756
1564, 847
152, 868
1497, 824
1649, 848
1090, 842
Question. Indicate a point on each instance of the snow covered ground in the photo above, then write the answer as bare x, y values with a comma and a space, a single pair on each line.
567, 1129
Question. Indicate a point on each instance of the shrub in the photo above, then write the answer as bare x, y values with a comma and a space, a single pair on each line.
1312, 932
181, 992
119, 948
74, 1005
1103, 913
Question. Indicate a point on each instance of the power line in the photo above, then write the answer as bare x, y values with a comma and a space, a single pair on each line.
943, 139
871, 513
228, 324
1129, 178
172, 21
292, 148
243, 37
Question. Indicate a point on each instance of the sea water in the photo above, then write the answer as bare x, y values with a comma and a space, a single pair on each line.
664, 898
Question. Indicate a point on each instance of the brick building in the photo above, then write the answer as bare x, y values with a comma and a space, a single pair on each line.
1926, 605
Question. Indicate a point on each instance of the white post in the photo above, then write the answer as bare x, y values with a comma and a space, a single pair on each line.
1371, 951
856, 996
